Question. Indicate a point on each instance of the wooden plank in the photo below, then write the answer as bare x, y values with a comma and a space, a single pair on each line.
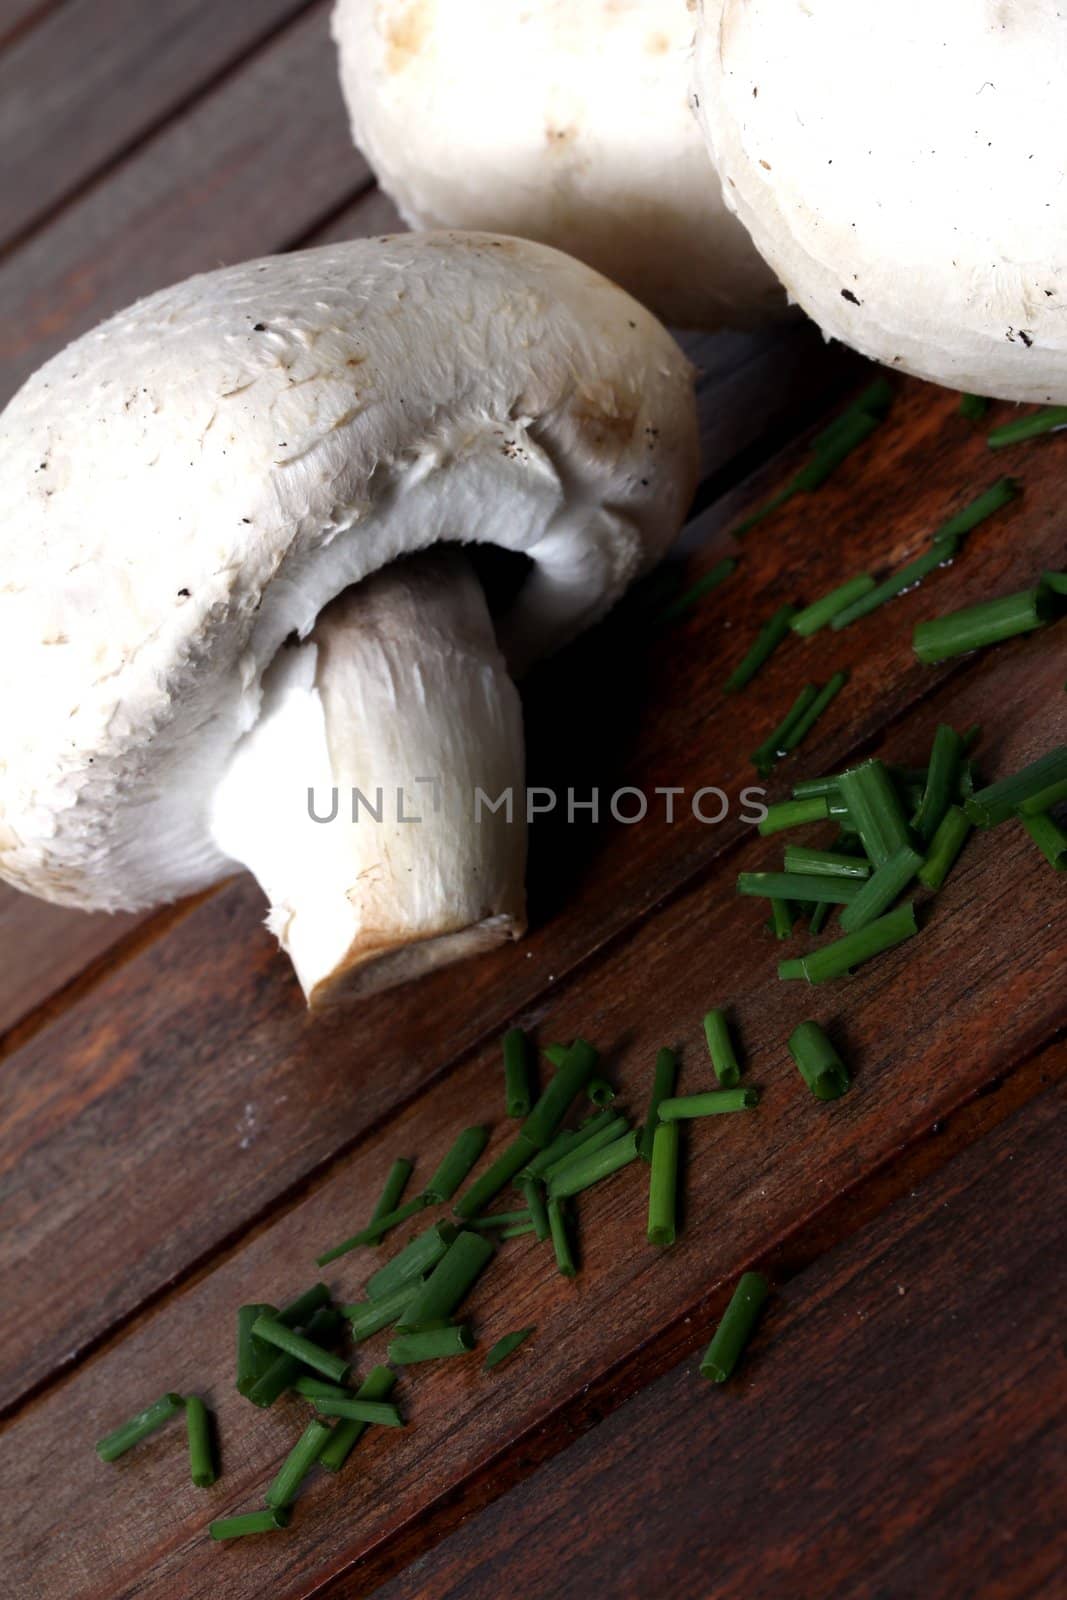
45, 947
212, 1022
94, 78
926, 1029
17, 16
896, 1431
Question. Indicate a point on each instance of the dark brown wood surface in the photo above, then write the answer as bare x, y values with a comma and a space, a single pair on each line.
176, 1135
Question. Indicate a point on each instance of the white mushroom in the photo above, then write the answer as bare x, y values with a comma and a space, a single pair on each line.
566, 121
193, 500
903, 169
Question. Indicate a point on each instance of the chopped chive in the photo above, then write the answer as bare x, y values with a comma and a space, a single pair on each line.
1056, 581
305, 1350
615, 1129
662, 1085
570, 1079
430, 1344
906, 577
1031, 427
973, 407
973, 628
297, 1312
250, 1522
377, 1385
449, 1282
1044, 799
374, 1232
505, 1347
783, 915
592, 1167
319, 1389
819, 917
392, 1189
516, 1073
766, 754
486, 1188
368, 1317
712, 1104
561, 1244
802, 860
556, 1054
375, 1413
793, 813
456, 1165
1049, 838
825, 609
872, 802
201, 1444
808, 788
945, 846
663, 1184
766, 642
534, 1197
721, 1050
139, 1427
942, 779
881, 889
837, 890
875, 400
285, 1368
518, 1230
836, 959
416, 1259
499, 1219
1002, 799
776, 500
297, 1464
732, 1334
995, 498
600, 1092
685, 601
818, 1062
854, 427
807, 720
569, 1139
253, 1358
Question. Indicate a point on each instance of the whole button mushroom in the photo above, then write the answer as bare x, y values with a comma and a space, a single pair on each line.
224, 631
566, 121
904, 171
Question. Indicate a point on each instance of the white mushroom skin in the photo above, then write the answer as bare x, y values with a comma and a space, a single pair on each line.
185, 490
566, 121
903, 169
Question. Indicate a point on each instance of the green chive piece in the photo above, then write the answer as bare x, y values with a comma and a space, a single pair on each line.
505, 1347
766, 642
663, 1184
139, 1427
517, 1098
818, 1062
783, 916
906, 577
253, 1358
297, 1464
608, 1134
793, 814
198, 1433
805, 862
486, 1188
456, 1165
945, 846
251, 1522
836, 959
995, 498
518, 1230
855, 427
499, 1219
819, 917
1031, 427
449, 1282
374, 1232
825, 609
569, 1139
716, 1101
368, 1317
973, 407
561, 1243
413, 1262
285, 1368
556, 1054
685, 601
600, 1092
320, 1389
778, 499
807, 788
587, 1169
377, 1385
807, 720
1044, 799
837, 890
305, 1350
662, 1085
1049, 838
872, 802
942, 780
555, 1101
1002, 799
733, 1332
1056, 581
375, 1413
775, 745
393, 1188
884, 886
297, 1312
721, 1050
431, 1344
975, 627
534, 1197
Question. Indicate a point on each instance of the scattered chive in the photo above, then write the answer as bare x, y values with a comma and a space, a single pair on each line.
716, 1101
819, 917
516, 1073
1044, 799
945, 846
499, 1219
374, 1232
818, 1062
995, 498
305, 1350
253, 1358
535, 1200
297, 1464
802, 860
1056, 581
854, 427
872, 802
201, 1451
807, 720
766, 642
561, 1243
285, 1368
732, 1334
836, 959
486, 1188
592, 1167
139, 1427
570, 1079
449, 1282
297, 1312
505, 1347
377, 1385
881, 889
766, 754
825, 609
906, 577
393, 1188
776, 500
615, 1129
600, 1092
556, 1054
942, 780
368, 1317
1002, 799
569, 1139
1031, 427
973, 407
1049, 838
456, 1165
518, 1230
375, 1413
663, 1184
808, 788
711, 580
662, 1085
431, 1344
250, 1522
320, 1389
973, 628
794, 813
721, 1050
837, 890
783, 916
413, 1262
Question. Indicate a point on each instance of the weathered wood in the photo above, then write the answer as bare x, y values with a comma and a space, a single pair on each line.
18, 16
896, 1430
211, 1023
45, 947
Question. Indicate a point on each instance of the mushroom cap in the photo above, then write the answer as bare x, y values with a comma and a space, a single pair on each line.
904, 171
566, 121
186, 487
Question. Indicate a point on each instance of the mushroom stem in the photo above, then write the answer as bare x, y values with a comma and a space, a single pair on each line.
355, 798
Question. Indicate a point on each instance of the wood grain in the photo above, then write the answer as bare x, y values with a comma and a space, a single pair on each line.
45, 947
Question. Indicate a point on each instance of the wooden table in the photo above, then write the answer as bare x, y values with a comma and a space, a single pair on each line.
179, 1137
